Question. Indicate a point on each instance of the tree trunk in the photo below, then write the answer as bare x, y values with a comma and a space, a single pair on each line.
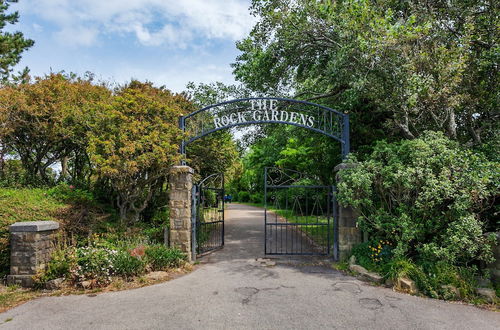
452, 125
64, 168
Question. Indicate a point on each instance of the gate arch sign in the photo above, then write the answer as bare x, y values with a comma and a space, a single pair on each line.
266, 110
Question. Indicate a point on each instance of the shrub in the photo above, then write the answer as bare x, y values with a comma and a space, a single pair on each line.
257, 198
243, 196
68, 193
13, 174
94, 264
373, 254
426, 195
160, 257
63, 260
126, 265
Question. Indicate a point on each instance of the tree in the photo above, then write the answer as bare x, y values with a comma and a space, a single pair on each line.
216, 152
12, 45
134, 141
45, 121
414, 65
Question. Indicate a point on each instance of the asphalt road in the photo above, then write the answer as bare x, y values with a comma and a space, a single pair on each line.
232, 290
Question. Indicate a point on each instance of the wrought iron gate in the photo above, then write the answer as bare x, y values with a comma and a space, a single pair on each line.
208, 214
300, 215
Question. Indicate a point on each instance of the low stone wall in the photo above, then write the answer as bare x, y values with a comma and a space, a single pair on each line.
32, 244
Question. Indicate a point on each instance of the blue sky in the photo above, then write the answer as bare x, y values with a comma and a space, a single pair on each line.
168, 42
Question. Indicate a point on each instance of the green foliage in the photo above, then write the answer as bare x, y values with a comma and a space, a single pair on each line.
154, 229
103, 257
408, 66
12, 173
13, 44
134, 141
68, 193
256, 198
126, 265
216, 152
243, 196
94, 264
426, 196
46, 121
161, 258
63, 260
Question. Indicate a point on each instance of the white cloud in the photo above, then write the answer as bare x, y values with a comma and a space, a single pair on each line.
174, 77
152, 22
77, 36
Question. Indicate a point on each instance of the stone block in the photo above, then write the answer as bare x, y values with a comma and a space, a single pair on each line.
33, 226
406, 285
358, 269
179, 196
54, 284
488, 294
451, 291
373, 277
26, 281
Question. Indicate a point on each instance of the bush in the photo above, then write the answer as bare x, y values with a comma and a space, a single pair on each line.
13, 174
68, 193
95, 264
63, 260
160, 257
257, 198
244, 196
373, 254
427, 196
126, 265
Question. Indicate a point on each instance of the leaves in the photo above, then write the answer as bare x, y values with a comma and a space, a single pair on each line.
428, 195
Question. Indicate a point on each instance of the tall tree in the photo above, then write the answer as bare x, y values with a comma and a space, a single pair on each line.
413, 65
12, 45
134, 141
46, 120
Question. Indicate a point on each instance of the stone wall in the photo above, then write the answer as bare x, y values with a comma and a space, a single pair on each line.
32, 244
181, 184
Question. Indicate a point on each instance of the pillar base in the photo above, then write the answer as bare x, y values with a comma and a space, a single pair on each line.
25, 281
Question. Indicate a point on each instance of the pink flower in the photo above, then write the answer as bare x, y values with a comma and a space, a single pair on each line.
71, 187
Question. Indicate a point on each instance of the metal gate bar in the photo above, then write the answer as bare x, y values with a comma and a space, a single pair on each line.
302, 218
208, 214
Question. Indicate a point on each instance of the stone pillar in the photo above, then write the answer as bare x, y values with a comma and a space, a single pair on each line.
494, 267
32, 244
349, 233
181, 184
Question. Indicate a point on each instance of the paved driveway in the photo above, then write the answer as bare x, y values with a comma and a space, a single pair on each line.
231, 290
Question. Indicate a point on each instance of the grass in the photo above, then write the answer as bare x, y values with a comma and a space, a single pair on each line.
14, 296
19, 205
27, 205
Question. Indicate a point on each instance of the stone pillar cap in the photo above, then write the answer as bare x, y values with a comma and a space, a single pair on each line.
181, 169
33, 226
